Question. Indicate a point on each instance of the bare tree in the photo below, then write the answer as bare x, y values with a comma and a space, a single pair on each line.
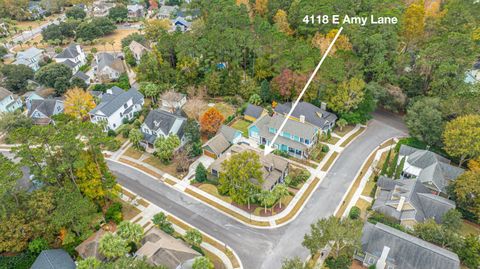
194, 107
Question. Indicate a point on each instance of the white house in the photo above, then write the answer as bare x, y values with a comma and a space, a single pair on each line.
8, 102
117, 105
108, 66
136, 11
160, 123
30, 57
41, 111
173, 101
72, 56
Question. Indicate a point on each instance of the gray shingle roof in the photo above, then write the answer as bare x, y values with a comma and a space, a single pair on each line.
69, 52
164, 121
313, 114
425, 204
70, 63
29, 53
228, 132
435, 168
406, 251
46, 106
105, 59
53, 259
253, 111
81, 76
217, 144
4, 93
111, 102
293, 127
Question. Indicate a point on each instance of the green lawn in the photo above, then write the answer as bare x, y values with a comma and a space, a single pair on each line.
470, 228
242, 126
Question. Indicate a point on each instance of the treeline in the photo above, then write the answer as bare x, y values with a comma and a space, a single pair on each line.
265, 48
80, 30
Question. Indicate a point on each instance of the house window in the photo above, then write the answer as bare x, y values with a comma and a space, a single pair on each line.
125, 106
291, 150
301, 140
114, 125
272, 130
296, 138
298, 152
286, 134
214, 173
371, 260
307, 141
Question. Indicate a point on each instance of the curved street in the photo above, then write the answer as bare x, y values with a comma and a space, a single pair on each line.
260, 248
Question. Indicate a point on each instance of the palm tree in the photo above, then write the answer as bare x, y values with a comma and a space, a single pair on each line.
131, 232
112, 43
281, 191
112, 246
266, 198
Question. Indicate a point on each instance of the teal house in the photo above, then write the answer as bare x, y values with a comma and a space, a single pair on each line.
296, 138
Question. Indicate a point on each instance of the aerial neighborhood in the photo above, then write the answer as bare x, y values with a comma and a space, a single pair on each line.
178, 134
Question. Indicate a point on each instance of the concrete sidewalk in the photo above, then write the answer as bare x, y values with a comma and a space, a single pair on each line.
184, 184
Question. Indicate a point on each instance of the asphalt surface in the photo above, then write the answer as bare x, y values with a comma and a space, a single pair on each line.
259, 248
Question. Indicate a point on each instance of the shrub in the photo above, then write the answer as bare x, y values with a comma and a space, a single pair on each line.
111, 133
342, 262
200, 173
114, 213
160, 219
354, 213
296, 177
37, 245
281, 153
325, 148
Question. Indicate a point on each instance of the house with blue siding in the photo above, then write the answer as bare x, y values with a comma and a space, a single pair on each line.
296, 138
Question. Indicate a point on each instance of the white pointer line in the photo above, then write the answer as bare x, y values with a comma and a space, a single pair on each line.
269, 148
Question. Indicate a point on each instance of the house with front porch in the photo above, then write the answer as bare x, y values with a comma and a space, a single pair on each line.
160, 123
433, 170
115, 106
30, 57
304, 111
41, 111
296, 138
8, 101
72, 56
274, 168
218, 144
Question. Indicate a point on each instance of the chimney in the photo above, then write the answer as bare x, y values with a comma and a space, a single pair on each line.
302, 118
110, 91
382, 261
323, 106
400, 204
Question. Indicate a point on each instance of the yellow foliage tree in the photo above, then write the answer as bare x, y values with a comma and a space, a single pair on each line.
154, 28
261, 7
347, 96
413, 23
281, 21
78, 103
322, 42
461, 137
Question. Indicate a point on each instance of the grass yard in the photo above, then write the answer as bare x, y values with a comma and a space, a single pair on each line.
224, 108
212, 189
363, 205
133, 153
24, 25
167, 168
115, 37
470, 228
242, 126
129, 211
367, 191
344, 131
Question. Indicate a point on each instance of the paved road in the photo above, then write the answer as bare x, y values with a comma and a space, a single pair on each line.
259, 248
27, 35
